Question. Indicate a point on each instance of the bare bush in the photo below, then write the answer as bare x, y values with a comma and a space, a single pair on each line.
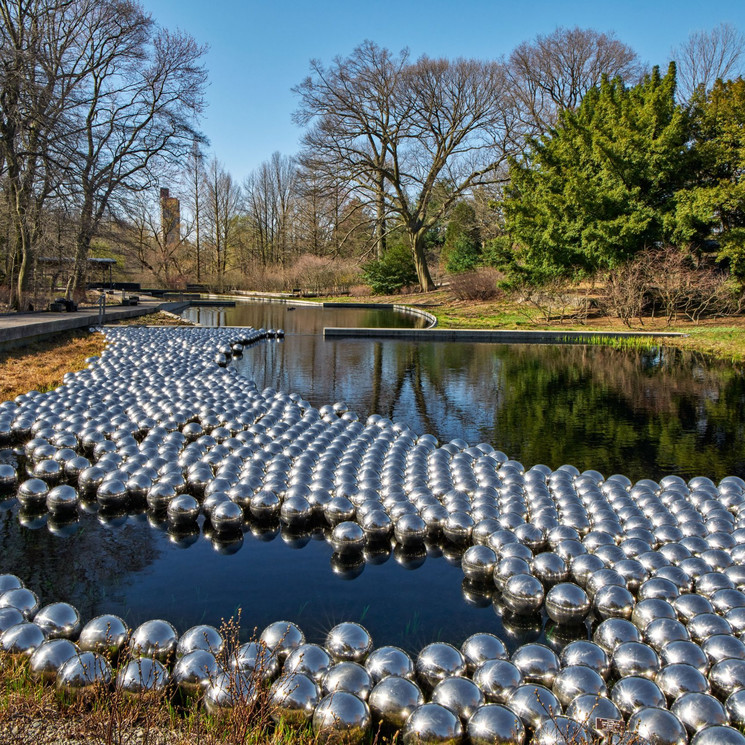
627, 291
478, 285
555, 300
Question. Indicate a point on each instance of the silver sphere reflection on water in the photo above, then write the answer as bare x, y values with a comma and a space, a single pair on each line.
393, 699
341, 717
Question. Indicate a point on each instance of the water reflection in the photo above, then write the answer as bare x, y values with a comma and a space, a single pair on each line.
137, 567
641, 413
300, 318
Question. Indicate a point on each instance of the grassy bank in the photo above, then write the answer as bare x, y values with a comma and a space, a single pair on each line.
40, 365
723, 338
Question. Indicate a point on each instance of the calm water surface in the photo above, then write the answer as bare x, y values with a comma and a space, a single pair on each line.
639, 413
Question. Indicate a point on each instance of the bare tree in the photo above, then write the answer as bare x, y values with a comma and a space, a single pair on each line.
437, 120
194, 186
223, 200
137, 111
553, 72
708, 55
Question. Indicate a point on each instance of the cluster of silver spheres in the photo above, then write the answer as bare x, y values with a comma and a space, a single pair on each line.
647, 579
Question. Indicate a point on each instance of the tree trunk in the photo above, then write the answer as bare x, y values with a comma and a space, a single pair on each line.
380, 237
416, 240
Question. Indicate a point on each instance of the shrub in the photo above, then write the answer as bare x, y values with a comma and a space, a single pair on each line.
464, 255
476, 285
394, 271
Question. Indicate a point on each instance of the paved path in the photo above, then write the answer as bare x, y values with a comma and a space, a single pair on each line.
18, 327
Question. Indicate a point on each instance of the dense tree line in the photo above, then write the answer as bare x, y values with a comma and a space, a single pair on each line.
564, 159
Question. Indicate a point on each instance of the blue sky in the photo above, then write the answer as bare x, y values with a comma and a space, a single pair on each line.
260, 50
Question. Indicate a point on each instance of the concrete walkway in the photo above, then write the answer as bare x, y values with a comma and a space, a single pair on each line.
17, 328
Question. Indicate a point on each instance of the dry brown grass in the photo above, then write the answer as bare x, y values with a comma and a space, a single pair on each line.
41, 365
158, 318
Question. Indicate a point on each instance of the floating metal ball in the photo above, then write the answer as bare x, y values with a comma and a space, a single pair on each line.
33, 493
142, 676
534, 704
699, 710
478, 563
349, 641
23, 599
348, 538
393, 699
549, 568
203, 637
309, 659
8, 478
614, 631
84, 673
587, 653
62, 499
281, 637
687, 652
341, 717
633, 693
492, 724
156, 639
567, 603
389, 661
112, 493
376, 524
227, 517
9, 617
498, 679
106, 634
58, 620
182, 510
193, 671
264, 505
438, 661
295, 511
409, 529
293, 698
523, 594
461, 695
658, 726
614, 601
432, 724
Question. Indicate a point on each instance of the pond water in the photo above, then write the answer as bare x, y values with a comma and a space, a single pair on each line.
643, 413
639, 413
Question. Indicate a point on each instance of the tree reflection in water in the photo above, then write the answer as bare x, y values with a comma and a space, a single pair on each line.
643, 413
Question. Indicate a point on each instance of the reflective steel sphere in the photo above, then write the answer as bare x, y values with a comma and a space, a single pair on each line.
560, 730
699, 710
106, 634
200, 637
84, 673
393, 699
310, 659
156, 639
498, 679
58, 620
534, 704
293, 698
228, 690
282, 637
658, 726
194, 670
577, 680
493, 723
349, 641
141, 676
567, 603
480, 647
347, 676
389, 661
438, 661
341, 717
432, 724
633, 693
49, 656
523, 594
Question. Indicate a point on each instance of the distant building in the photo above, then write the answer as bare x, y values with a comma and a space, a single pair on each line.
170, 218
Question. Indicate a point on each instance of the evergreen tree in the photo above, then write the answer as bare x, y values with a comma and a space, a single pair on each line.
598, 187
